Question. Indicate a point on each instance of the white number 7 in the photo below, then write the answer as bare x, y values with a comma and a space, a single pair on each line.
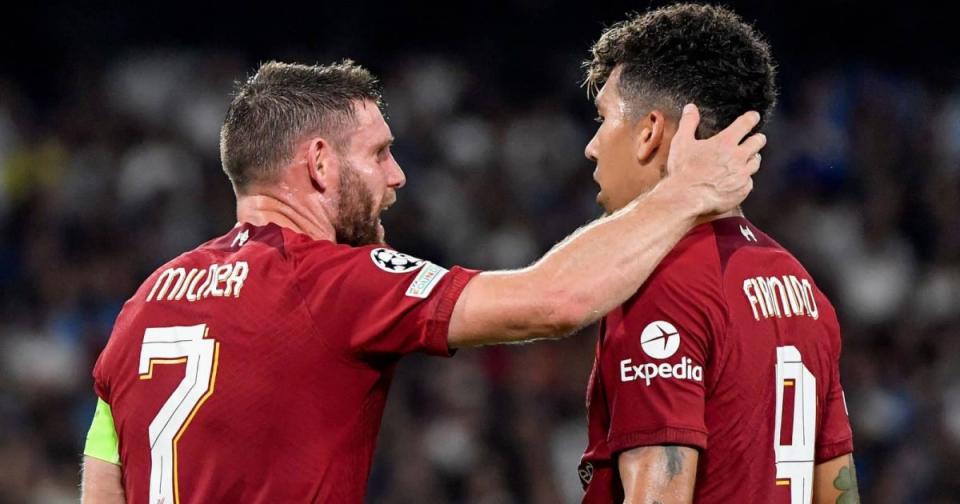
176, 345
796, 396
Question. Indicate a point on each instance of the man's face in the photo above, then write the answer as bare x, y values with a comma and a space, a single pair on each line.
621, 175
368, 179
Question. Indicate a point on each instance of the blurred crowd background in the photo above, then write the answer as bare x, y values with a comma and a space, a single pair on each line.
109, 121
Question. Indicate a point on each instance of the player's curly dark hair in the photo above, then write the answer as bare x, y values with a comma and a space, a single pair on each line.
686, 53
280, 104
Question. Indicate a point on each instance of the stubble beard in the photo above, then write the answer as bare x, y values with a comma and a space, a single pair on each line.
356, 222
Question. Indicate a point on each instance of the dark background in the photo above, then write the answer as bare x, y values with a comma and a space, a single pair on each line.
109, 116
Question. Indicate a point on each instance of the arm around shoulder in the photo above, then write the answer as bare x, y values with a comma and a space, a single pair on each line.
509, 307
580, 280
601, 265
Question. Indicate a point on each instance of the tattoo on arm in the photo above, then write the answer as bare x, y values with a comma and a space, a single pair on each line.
674, 460
846, 482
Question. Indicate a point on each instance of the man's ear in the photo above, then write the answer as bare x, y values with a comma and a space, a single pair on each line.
323, 164
650, 131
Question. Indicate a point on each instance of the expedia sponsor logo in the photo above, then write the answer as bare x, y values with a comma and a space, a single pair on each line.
684, 370
660, 339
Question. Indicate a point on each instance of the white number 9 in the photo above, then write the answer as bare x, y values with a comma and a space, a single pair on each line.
797, 397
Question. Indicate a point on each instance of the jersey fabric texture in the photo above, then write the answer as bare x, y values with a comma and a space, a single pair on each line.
730, 348
255, 368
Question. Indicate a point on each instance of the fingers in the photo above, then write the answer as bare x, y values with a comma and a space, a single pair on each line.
689, 121
745, 190
739, 128
752, 145
732, 196
753, 164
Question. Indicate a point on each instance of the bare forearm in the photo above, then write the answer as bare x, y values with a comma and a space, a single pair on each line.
602, 265
101, 482
835, 482
658, 474
581, 279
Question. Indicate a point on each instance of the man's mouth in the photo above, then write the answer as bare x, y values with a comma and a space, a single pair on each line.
383, 208
388, 202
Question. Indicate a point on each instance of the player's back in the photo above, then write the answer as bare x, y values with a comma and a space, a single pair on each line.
731, 348
237, 372
775, 405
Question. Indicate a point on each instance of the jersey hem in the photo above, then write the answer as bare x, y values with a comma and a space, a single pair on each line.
830, 451
437, 341
665, 436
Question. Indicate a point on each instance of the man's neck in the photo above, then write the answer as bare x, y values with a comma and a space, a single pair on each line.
736, 212
263, 209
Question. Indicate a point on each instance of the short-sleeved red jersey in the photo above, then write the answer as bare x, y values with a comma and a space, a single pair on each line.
255, 368
729, 347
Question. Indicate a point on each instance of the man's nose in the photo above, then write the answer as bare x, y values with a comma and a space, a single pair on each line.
396, 178
590, 151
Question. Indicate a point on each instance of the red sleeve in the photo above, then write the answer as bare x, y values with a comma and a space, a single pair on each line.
99, 380
103, 366
374, 301
658, 393
835, 437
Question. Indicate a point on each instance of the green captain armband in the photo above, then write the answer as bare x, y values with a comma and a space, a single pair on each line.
102, 440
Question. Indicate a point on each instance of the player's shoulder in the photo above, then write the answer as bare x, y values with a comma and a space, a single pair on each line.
695, 268
330, 256
744, 248
737, 237
688, 278
686, 289
251, 243
330, 268
694, 260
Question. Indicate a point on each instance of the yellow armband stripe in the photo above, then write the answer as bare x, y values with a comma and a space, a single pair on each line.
102, 442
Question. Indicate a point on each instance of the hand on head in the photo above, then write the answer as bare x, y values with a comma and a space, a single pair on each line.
717, 171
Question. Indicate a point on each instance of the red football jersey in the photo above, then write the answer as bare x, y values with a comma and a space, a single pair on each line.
729, 347
255, 368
